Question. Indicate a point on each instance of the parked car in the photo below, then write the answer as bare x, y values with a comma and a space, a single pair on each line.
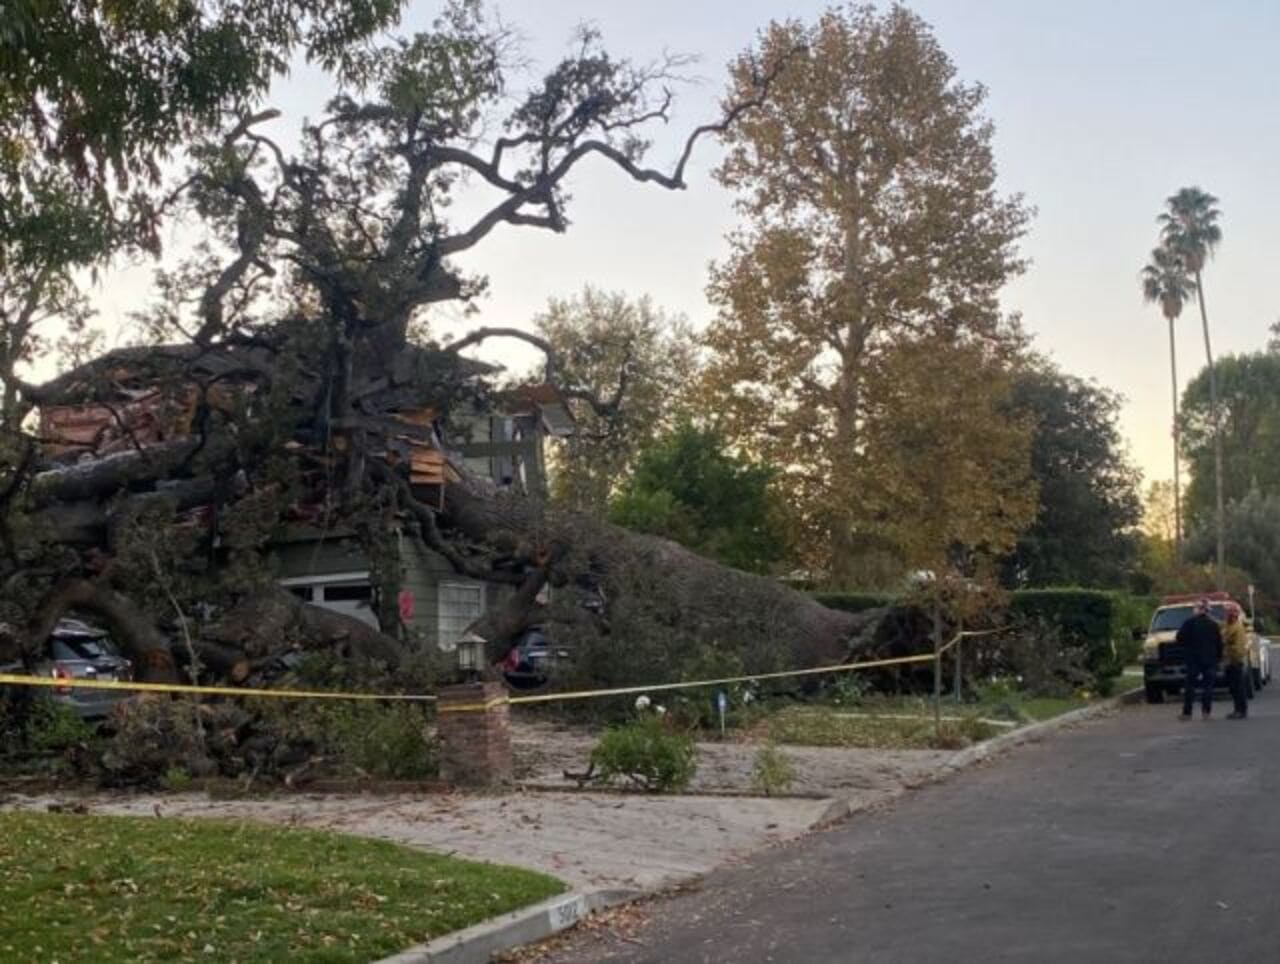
77, 650
531, 661
1260, 659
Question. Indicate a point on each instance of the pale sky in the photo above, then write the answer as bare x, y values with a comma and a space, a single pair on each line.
1102, 108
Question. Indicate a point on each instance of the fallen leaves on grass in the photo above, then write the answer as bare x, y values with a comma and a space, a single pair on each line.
128, 889
820, 726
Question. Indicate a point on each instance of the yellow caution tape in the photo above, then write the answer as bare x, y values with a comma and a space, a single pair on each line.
473, 707
968, 633
479, 707
98, 684
626, 690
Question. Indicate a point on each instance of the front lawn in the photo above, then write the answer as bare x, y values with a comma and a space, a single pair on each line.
830, 726
143, 889
906, 723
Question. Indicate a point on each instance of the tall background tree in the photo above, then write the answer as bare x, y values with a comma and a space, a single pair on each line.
632, 353
1248, 402
1253, 530
1165, 283
946, 484
871, 219
1089, 506
1190, 231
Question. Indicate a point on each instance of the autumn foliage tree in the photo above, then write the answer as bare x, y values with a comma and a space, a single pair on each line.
871, 222
947, 484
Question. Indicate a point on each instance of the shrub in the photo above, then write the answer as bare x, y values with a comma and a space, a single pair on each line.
772, 771
1001, 698
1042, 660
847, 689
385, 741
1098, 622
646, 752
54, 727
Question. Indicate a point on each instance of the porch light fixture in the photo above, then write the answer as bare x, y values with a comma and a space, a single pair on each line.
471, 655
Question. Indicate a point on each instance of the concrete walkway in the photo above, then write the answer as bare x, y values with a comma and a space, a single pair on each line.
588, 840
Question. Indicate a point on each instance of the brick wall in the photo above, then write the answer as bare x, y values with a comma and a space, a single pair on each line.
475, 744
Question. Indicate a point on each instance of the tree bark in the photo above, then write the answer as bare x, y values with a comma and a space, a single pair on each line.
1219, 512
131, 628
1177, 451
260, 623
710, 603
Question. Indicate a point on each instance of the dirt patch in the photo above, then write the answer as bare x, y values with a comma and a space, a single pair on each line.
544, 752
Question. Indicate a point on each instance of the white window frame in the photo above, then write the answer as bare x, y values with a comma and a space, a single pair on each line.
447, 636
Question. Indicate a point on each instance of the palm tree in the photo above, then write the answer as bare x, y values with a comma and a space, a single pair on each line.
1190, 230
1165, 282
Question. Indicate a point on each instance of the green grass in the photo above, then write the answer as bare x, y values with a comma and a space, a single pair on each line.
88, 888
833, 726
871, 723
1039, 708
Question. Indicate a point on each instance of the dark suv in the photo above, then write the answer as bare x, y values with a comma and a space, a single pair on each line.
531, 660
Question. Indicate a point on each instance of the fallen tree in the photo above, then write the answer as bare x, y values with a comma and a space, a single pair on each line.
297, 383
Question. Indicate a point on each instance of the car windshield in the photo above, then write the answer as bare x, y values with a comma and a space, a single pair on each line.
1172, 618
81, 647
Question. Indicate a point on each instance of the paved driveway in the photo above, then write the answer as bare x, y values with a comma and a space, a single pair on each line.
1133, 838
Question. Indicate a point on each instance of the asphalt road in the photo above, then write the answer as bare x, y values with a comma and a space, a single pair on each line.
1132, 838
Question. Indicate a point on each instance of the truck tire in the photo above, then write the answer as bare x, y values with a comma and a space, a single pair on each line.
1155, 693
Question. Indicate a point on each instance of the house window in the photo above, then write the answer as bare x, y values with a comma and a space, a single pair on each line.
461, 604
349, 593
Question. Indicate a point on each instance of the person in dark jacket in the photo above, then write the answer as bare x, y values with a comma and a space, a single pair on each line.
1201, 641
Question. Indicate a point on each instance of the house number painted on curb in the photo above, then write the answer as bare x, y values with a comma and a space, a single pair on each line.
568, 912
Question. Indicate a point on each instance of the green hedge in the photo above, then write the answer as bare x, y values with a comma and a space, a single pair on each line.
1099, 620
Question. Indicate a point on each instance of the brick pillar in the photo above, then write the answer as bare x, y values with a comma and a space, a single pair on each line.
474, 727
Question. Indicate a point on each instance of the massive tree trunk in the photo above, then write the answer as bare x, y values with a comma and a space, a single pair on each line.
699, 600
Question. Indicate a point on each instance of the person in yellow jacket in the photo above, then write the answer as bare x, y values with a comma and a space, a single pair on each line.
1235, 653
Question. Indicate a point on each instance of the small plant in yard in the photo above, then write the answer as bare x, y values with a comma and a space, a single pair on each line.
646, 752
177, 779
772, 771
54, 727
847, 689
1001, 698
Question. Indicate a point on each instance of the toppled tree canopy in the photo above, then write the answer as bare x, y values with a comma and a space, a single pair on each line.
293, 382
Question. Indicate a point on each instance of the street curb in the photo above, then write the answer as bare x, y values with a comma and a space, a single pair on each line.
841, 807
478, 943
1036, 731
